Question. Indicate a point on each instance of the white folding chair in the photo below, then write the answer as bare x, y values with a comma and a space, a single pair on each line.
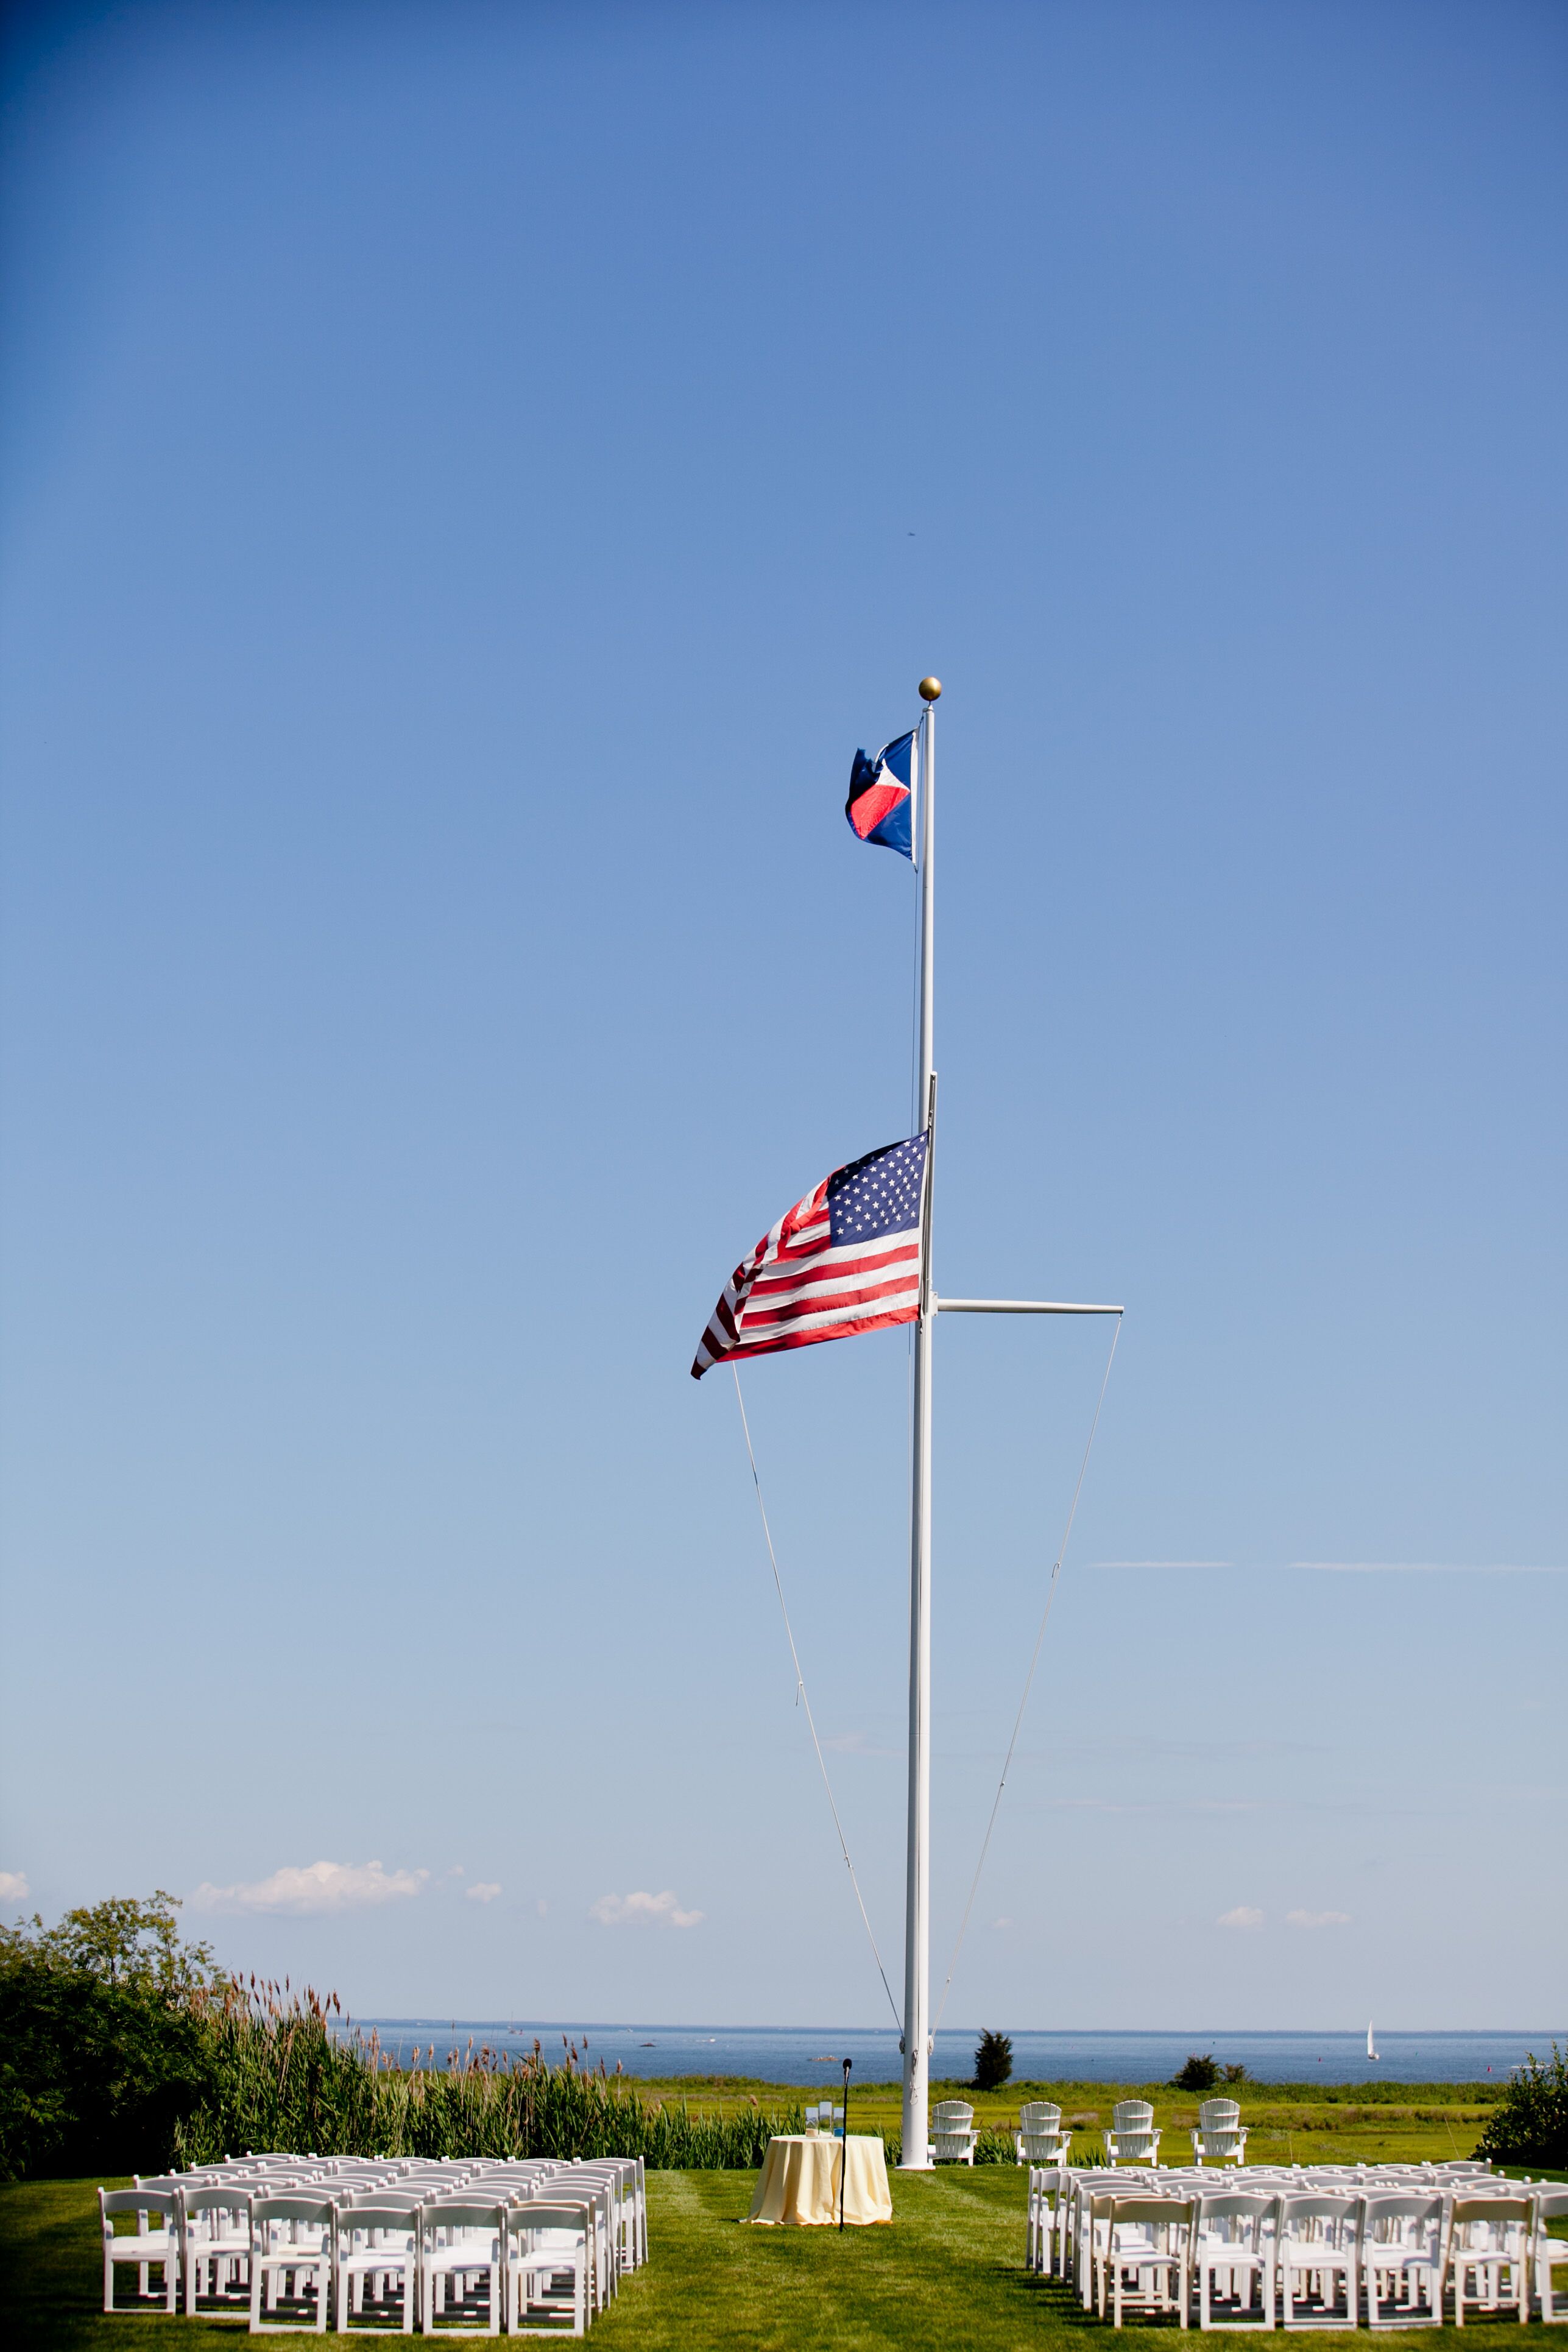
377, 2241
148, 2248
1317, 2261
461, 2240
293, 2237
546, 2241
1548, 2253
1488, 2250
1233, 2259
617, 2175
1145, 2263
215, 2245
1048, 2198
1402, 2261
580, 2185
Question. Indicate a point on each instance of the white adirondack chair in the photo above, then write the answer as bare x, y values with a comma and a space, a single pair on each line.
1040, 2138
1133, 2138
953, 2133
1221, 2136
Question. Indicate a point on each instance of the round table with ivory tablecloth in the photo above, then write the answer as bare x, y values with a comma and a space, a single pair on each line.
799, 2182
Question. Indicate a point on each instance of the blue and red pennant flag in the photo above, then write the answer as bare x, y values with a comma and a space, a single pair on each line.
881, 791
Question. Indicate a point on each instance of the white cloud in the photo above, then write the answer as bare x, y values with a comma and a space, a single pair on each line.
1317, 1918
1243, 1916
541, 1906
483, 1890
643, 1910
1001, 1922
1160, 1563
1431, 1567
320, 1886
13, 1886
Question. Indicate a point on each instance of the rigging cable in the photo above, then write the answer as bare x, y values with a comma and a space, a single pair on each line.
1028, 1682
805, 1701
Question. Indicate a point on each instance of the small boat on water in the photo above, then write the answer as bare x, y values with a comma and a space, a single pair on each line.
1371, 2044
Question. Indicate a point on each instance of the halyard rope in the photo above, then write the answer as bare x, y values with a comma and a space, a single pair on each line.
1028, 1682
800, 1693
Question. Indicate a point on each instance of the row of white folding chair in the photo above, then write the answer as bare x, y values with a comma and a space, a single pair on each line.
440, 2253
1298, 2254
206, 2219
630, 2174
1374, 2245
1057, 2215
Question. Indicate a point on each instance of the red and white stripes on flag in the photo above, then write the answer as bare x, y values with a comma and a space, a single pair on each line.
845, 1259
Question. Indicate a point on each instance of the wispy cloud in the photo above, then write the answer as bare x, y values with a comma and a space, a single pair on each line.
1317, 1918
1243, 1916
1152, 1805
1432, 1567
643, 1910
483, 1890
858, 1743
320, 1886
1162, 1563
14, 1886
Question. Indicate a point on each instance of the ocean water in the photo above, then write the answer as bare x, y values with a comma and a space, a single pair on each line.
805, 2057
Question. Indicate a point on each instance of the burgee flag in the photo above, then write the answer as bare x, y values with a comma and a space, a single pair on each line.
882, 795
845, 1259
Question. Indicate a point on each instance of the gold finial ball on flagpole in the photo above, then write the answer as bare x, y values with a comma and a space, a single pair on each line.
930, 688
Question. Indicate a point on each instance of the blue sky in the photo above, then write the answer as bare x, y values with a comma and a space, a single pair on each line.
471, 477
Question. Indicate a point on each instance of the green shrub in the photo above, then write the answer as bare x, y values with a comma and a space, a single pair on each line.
993, 2061
1197, 2074
1530, 2126
101, 2052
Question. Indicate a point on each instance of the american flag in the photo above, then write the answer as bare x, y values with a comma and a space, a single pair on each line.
845, 1259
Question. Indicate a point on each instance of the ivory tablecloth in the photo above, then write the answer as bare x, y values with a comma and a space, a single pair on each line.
800, 2177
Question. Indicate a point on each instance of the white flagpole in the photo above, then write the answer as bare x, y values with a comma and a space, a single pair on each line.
917, 1910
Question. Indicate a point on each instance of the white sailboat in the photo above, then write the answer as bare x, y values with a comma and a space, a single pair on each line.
917, 2040
1371, 2044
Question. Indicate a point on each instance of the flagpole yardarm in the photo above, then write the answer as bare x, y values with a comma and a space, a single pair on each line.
917, 1894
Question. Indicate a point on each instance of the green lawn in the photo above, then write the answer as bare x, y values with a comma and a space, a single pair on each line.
948, 2272
1300, 2123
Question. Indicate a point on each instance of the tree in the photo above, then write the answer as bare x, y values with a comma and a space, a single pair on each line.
993, 2061
1197, 2074
127, 1942
1530, 2122
102, 2045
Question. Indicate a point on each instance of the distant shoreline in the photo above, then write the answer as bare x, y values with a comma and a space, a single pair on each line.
805, 2057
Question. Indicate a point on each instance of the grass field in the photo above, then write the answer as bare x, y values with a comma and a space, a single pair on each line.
1288, 2122
949, 2273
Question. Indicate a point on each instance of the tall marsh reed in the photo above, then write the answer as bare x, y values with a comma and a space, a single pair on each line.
285, 2076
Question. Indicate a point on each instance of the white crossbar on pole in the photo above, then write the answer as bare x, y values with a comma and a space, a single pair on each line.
1018, 1306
